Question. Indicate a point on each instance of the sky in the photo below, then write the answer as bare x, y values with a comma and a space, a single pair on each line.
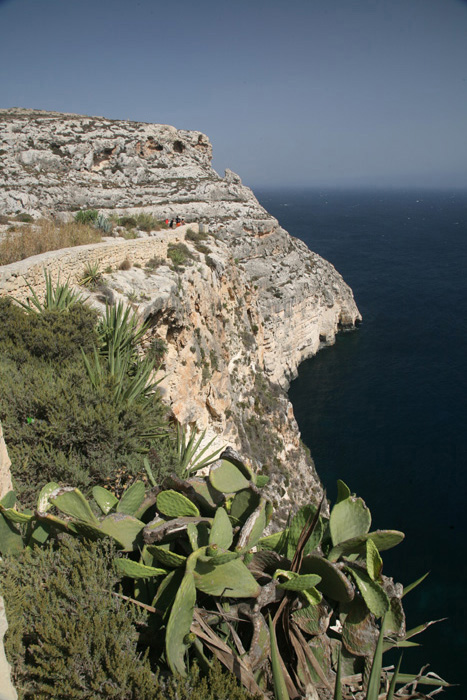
309, 93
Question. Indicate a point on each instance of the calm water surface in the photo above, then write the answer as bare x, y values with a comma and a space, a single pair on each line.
384, 409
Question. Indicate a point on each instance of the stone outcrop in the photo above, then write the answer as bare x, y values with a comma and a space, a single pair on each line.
247, 307
7, 692
5, 463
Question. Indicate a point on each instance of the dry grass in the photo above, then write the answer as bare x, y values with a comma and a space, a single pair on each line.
44, 235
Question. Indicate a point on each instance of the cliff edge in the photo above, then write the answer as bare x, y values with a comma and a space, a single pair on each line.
246, 307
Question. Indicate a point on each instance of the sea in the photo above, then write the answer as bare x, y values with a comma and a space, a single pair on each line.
384, 408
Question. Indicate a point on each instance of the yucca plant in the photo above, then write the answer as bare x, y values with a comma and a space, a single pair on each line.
57, 297
91, 275
192, 454
120, 329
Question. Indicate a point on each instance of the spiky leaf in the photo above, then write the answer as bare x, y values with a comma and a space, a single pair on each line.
374, 682
280, 687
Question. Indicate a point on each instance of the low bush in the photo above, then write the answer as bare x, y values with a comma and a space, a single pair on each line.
68, 636
179, 254
194, 236
24, 218
76, 640
154, 263
86, 216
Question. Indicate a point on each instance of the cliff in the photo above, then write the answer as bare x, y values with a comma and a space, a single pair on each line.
248, 305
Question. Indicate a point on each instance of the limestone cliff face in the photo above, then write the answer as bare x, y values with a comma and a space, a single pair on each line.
241, 315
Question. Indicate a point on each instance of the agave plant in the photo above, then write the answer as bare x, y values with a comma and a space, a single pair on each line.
192, 454
91, 275
284, 612
58, 297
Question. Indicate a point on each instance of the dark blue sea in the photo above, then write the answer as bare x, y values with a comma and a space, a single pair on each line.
385, 408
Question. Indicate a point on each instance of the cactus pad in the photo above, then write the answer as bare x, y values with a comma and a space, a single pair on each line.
178, 626
125, 530
104, 499
175, 505
166, 557
376, 599
231, 579
73, 503
383, 539
227, 478
349, 518
334, 584
132, 498
133, 569
221, 530
253, 528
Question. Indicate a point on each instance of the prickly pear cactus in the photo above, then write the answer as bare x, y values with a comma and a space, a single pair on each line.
194, 553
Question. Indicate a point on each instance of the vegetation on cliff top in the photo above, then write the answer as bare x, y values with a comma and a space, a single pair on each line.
148, 581
69, 409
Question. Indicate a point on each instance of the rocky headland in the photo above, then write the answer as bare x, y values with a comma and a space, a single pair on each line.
248, 305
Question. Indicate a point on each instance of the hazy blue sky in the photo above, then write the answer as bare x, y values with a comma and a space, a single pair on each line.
290, 92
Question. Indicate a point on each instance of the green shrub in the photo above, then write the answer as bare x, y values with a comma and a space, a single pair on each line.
217, 685
178, 253
51, 336
146, 222
154, 263
158, 350
76, 640
86, 216
57, 424
128, 222
24, 218
68, 636
191, 235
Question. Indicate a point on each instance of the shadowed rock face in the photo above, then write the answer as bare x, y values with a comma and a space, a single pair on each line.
238, 319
